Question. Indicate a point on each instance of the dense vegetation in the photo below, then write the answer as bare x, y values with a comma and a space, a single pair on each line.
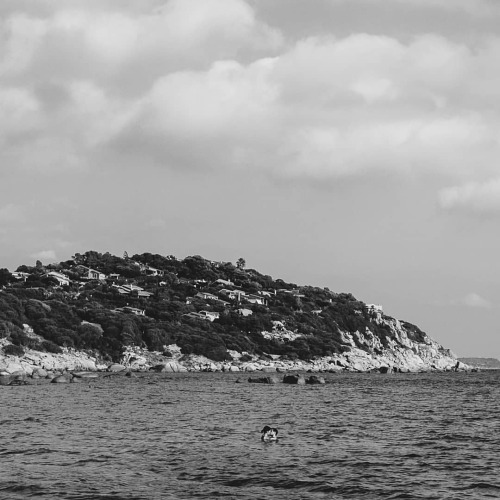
97, 314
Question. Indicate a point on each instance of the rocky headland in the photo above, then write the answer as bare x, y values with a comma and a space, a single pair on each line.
102, 313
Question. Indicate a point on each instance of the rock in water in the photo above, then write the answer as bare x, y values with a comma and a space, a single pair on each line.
314, 379
264, 380
294, 379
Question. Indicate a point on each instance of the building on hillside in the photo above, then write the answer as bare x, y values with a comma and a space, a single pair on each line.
256, 299
207, 296
374, 307
244, 311
210, 315
148, 270
234, 294
128, 289
131, 310
20, 276
89, 273
60, 277
224, 282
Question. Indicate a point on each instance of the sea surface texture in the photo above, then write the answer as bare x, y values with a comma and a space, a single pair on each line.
176, 436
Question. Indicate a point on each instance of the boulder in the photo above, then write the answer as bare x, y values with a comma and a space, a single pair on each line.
18, 375
294, 379
40, 372
269, 369
170, 367
5, 379
85, 375
12, 367
76, 380
249, 367
59, 379
115, 368
233, 368
264, 380
385, 369
314, 379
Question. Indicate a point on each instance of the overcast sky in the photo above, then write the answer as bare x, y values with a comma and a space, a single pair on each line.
353, 144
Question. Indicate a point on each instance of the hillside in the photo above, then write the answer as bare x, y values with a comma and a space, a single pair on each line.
106, 305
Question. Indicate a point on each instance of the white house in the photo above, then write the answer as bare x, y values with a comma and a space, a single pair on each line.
255, 299
207, 296
210, 315
374, 307
20, 276
60, 277
91, 274
245, 312
224, 282
132, 310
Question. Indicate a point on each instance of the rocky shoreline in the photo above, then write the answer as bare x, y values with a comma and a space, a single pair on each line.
73, 365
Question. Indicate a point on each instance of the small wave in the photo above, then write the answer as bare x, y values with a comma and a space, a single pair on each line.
478, 486
29, 451
24, 489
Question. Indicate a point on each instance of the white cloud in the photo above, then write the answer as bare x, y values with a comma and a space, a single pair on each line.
186, 84
475, 300
479, 198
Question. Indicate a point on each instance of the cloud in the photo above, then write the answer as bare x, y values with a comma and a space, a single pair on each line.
205, 84
306, 112
473, 197
476, 301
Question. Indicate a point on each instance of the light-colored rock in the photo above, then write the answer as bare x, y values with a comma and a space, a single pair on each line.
248, 367
169, 367
115, 368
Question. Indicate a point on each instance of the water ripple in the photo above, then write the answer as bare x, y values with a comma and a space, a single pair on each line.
175, 436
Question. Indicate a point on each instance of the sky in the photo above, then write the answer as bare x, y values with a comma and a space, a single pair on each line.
349, 144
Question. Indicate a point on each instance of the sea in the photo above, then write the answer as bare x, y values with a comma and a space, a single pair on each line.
197, 436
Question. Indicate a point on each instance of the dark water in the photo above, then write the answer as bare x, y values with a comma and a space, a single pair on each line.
432, 436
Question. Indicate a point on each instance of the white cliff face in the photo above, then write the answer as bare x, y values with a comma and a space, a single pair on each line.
281, 333
401, 352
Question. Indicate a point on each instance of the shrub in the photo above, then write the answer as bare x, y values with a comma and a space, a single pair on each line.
49, 346
13, 350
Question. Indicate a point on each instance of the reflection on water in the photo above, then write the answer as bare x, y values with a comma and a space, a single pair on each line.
161, 436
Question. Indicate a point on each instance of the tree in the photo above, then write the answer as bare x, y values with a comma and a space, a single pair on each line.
5, 277
241, 263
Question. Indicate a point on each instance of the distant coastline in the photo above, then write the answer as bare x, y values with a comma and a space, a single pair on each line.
482, 363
